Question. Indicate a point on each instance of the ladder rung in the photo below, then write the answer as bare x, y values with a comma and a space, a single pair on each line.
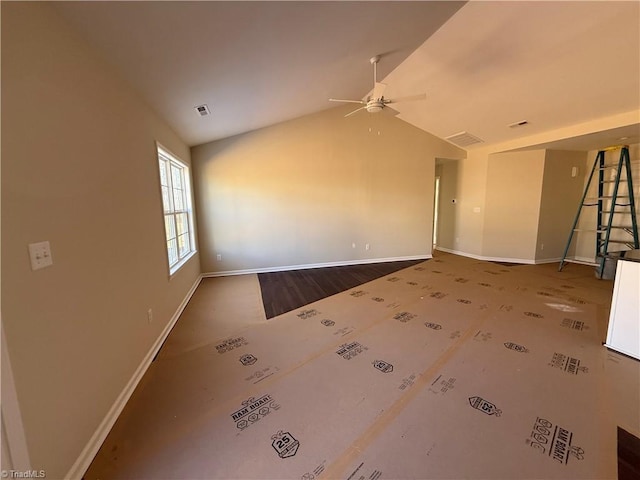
624, 242
605, 197
623, 227
609, 211
581, 262
588, 230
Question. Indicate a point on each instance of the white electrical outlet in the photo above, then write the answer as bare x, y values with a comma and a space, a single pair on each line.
353, 245
219, 257
40, 254
150, 315
366, 247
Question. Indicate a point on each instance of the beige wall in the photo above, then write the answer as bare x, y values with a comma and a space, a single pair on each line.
302, 192
79, 169
561, 195
514, 185
476, 225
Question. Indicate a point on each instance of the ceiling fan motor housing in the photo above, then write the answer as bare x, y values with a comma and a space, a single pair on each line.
375, 105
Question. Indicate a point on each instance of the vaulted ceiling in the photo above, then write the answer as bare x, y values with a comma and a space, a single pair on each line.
483, 65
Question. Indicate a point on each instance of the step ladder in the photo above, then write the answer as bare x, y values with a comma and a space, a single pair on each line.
616, 211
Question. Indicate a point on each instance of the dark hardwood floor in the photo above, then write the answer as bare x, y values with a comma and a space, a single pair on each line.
286, 291
628, 456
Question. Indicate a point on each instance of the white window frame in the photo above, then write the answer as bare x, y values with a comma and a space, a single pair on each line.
180, 191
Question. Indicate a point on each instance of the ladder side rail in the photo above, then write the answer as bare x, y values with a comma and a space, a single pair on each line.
577, 217
632, 203
614, 199
599, 227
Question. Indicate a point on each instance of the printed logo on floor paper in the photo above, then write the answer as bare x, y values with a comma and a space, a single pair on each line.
253, 410
438, 295
573, 324
433, 326
377, 299
327, 323
554, 440
568, 364
261, 374
463, 300
358, 293
442, 385
350, 350
383, 366
534, 315
393, 279
284, 444
481, 336
407, 382
248, 359
316, 471
231, 343
404, 317
516, 348
304, 314
484, 406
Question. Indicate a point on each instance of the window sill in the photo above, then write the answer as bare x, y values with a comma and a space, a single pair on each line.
181, 263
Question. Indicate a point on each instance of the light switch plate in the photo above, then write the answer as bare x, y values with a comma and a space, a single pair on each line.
40, 254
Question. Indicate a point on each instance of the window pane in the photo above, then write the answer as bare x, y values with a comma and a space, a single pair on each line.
163, 172
176, 176
172, 251
178, 200
166, 199
170, 226
183, 244
181, 222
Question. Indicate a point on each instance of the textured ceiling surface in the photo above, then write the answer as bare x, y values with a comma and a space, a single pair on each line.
483, 65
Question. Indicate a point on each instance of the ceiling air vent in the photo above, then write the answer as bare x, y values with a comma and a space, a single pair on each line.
463, 139
521, 123
203, 110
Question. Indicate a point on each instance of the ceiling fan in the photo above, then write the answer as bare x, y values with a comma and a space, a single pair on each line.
375, 102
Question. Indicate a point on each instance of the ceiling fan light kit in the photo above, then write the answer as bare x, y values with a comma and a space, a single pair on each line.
376, 102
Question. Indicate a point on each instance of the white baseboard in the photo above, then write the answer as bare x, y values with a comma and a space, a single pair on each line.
315, 265
548, 260
83, 462
527, 261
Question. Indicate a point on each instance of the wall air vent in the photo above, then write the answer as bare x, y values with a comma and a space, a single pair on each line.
463, 139
203, 110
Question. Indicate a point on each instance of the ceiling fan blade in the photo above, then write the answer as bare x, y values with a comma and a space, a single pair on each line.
346, 101
355, 111
410, 98
378, 90
390, 111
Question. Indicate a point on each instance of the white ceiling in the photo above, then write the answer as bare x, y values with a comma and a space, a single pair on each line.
254, 63
554, 64
483, 66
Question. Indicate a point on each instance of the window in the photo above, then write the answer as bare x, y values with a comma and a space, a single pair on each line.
178, 214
